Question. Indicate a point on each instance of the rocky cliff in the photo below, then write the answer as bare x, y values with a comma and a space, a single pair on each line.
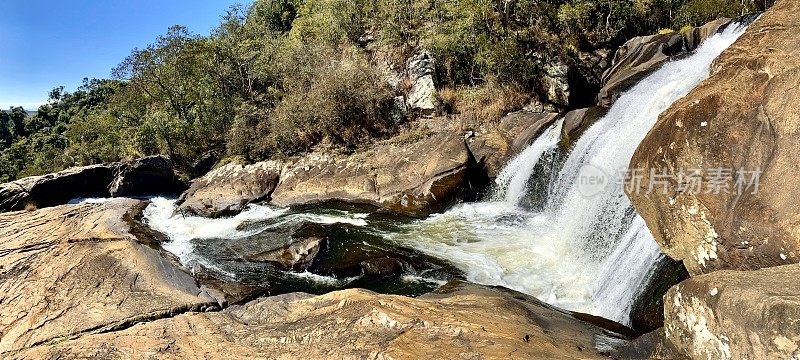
731, 148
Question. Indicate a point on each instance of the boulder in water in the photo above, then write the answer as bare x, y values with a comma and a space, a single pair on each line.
297, 255
740, 129
229, 188
383, 266
419, 178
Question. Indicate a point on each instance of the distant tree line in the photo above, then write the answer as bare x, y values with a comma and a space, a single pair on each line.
280, 77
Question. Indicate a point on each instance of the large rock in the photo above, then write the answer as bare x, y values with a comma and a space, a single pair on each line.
494, 147
418, 178
56, 189
577, 121
229, 188
642, 55
422, 95
150, 175
72, 270
736, 314
469, 323
744, 117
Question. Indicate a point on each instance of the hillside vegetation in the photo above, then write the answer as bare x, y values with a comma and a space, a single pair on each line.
281, 77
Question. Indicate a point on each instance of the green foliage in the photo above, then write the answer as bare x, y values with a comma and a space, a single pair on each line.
281, 77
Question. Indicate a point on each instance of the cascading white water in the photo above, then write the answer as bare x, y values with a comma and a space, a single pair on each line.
586, 251
512, 182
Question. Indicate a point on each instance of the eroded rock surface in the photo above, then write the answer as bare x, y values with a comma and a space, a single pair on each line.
56, 189
736, 314
746, 118
418, 178
77, 269
150, 175
229, 188
494, 147
642, 55
469, 323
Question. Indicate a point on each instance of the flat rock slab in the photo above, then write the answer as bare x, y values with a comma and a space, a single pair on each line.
76, 269
472, 323
736, 314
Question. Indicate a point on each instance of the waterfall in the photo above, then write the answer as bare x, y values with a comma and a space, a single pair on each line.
512, 182
586, 250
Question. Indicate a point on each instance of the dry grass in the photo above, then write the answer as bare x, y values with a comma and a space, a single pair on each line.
485, 104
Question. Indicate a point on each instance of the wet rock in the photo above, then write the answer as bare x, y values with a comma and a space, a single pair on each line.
384, 266
736, 314
471, 322
72, 270
577, 121
647, 312
739, 127
652, 346
150, 175
418, 178
297, 255
495, 147
642, 55
228, 189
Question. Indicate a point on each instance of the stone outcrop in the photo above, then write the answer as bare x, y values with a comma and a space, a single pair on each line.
150, 175
418, 178
577, 121
71, 270
422, 95
494, 147
469, 322
56, 189
736, 314
745, 117
229, 188
642, 55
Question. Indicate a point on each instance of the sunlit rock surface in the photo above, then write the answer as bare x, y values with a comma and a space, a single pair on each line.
469, 322
745, 117
77, 269
736, 314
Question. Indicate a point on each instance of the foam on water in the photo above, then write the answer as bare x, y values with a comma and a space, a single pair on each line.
162, 215
584, 252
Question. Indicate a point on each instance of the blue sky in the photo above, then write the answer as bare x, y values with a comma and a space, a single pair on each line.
47, 43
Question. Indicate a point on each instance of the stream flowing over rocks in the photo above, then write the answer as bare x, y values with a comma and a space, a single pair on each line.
444, 243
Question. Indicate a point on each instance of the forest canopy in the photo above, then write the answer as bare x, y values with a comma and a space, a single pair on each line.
280, 77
